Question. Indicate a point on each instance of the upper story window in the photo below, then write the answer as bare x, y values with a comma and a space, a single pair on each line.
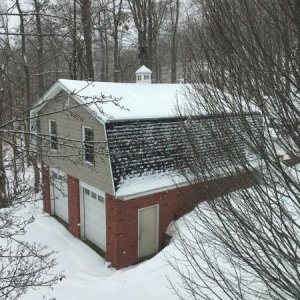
88, 144
67, 101
146, 77
53, 134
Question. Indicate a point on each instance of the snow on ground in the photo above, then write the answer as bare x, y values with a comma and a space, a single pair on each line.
87, 274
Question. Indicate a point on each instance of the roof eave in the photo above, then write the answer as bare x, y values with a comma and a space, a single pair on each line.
53, 91
125, 197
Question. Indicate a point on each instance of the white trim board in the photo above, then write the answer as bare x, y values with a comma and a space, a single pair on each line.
150, 192
110, 165
53, 91
91, 188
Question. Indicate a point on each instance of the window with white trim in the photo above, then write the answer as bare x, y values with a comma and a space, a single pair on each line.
139, 77
100, 199
146, 77
88, 144
53, 134
67, 102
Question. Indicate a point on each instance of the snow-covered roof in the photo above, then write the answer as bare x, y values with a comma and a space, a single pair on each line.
136, 101
143, 70
131, 187
144, 133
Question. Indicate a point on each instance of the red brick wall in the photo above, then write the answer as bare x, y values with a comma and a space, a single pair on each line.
112, 225
122, 216
74, 205
46, 189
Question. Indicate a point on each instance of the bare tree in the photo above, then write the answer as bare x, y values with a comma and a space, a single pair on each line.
102, 26
2, 168
74, 43
117, 7
40, 47
148, 16
23, 265
245, 245
27, 88
174, 17
87, 33
25, 65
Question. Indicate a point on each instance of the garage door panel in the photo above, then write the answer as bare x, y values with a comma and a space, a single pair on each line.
61, 204
94, 217
59, 195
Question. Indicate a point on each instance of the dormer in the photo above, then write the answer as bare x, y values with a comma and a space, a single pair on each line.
143, 75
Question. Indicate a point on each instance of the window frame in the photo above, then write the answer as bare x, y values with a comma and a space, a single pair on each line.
67, 101
53, 136
146, 77
84, 144
139, 77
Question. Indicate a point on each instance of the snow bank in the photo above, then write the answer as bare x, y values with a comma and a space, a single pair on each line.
88, 275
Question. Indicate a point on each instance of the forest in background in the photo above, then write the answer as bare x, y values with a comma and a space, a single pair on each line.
105, 40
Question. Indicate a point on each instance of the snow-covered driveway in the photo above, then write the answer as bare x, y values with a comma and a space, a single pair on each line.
87, 274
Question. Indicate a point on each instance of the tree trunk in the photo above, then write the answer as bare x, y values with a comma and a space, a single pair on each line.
86, 22
3, 196
40, 65
27, 80
174, 11
116, 17
74, 42
147, 16
28, 101
150, 48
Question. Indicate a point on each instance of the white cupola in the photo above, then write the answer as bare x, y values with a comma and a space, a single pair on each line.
143, 75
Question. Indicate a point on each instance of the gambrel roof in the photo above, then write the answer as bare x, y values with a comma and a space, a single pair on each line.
146, 138
145, 151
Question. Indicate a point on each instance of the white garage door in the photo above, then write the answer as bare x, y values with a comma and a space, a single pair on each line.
93, 217
59, 195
